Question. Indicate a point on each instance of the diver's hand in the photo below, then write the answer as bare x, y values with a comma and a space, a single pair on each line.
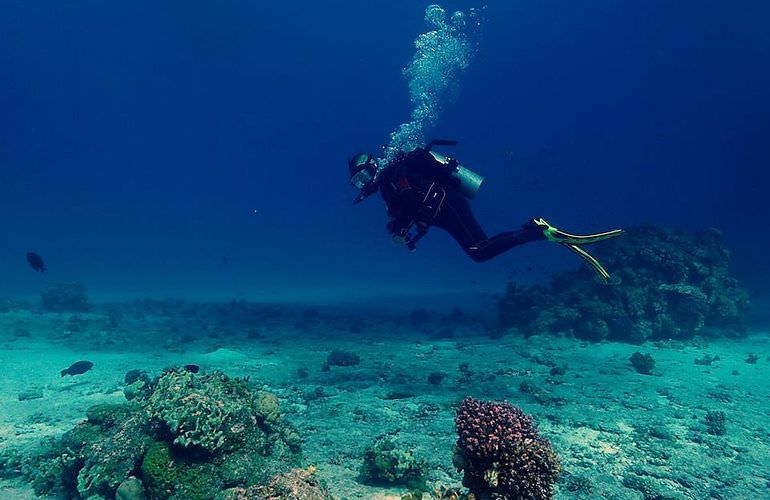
400, 239
401, 236
396, 227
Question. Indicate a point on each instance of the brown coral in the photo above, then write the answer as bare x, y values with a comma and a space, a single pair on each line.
502, 454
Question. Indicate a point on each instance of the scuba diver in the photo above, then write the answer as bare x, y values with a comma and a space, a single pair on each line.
422, 188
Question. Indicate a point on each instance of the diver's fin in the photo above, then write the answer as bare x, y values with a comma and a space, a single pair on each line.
603, 274
574, 242
559, 236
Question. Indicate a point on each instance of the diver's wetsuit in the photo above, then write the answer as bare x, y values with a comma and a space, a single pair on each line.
404, 184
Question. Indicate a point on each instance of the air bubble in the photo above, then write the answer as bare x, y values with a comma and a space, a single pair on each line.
440, 55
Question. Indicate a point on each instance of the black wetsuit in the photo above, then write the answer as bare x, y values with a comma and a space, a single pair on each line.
404, 185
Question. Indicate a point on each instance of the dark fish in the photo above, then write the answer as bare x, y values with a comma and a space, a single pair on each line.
192, 368
77, 368
36, 262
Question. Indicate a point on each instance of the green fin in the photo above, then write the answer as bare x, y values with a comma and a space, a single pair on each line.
573, 242
603, 274
558, 236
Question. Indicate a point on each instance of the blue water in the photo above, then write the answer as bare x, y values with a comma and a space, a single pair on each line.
198, 149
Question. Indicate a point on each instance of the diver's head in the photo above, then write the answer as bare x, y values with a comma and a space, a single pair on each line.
363, 169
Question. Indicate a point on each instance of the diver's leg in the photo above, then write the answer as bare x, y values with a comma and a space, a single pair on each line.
457, 219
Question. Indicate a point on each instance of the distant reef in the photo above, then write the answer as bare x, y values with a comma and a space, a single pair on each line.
64, 297
668, 285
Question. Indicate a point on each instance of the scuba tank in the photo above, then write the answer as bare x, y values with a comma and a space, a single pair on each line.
470, 181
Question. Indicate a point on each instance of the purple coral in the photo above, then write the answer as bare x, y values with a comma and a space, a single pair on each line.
501, 454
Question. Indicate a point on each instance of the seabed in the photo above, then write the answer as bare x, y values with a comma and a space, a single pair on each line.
619, 433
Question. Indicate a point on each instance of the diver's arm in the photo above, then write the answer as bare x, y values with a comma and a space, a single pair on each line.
400, 209
399, 221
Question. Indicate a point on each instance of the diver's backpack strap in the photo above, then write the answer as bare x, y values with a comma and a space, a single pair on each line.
400, 181
431, 205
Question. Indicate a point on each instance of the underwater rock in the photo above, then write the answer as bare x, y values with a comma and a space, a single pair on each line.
578, 485
751, 359
88, 460
130, 489
110, 460
138, 385
30, 394
671, 285
64, 297
435, 378
642, 363
341, 358
650, 487
706, 360
715, 423
132, 376
297, 484
169, 476
108, 414
386, 462
466, 374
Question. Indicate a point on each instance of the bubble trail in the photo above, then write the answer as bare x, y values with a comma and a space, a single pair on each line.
441, 54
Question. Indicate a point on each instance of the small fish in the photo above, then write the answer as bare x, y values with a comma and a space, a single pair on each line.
36, 262
77, 368
192, 368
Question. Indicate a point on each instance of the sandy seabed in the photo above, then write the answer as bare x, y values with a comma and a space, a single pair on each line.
619, 434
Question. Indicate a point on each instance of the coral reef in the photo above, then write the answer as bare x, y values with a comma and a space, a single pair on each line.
215, 411
501, 453
109, 460
386, 462
91, 459
181, 436
64, 297
670, 285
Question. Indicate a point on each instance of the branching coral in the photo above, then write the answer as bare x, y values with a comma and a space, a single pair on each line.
501, 453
